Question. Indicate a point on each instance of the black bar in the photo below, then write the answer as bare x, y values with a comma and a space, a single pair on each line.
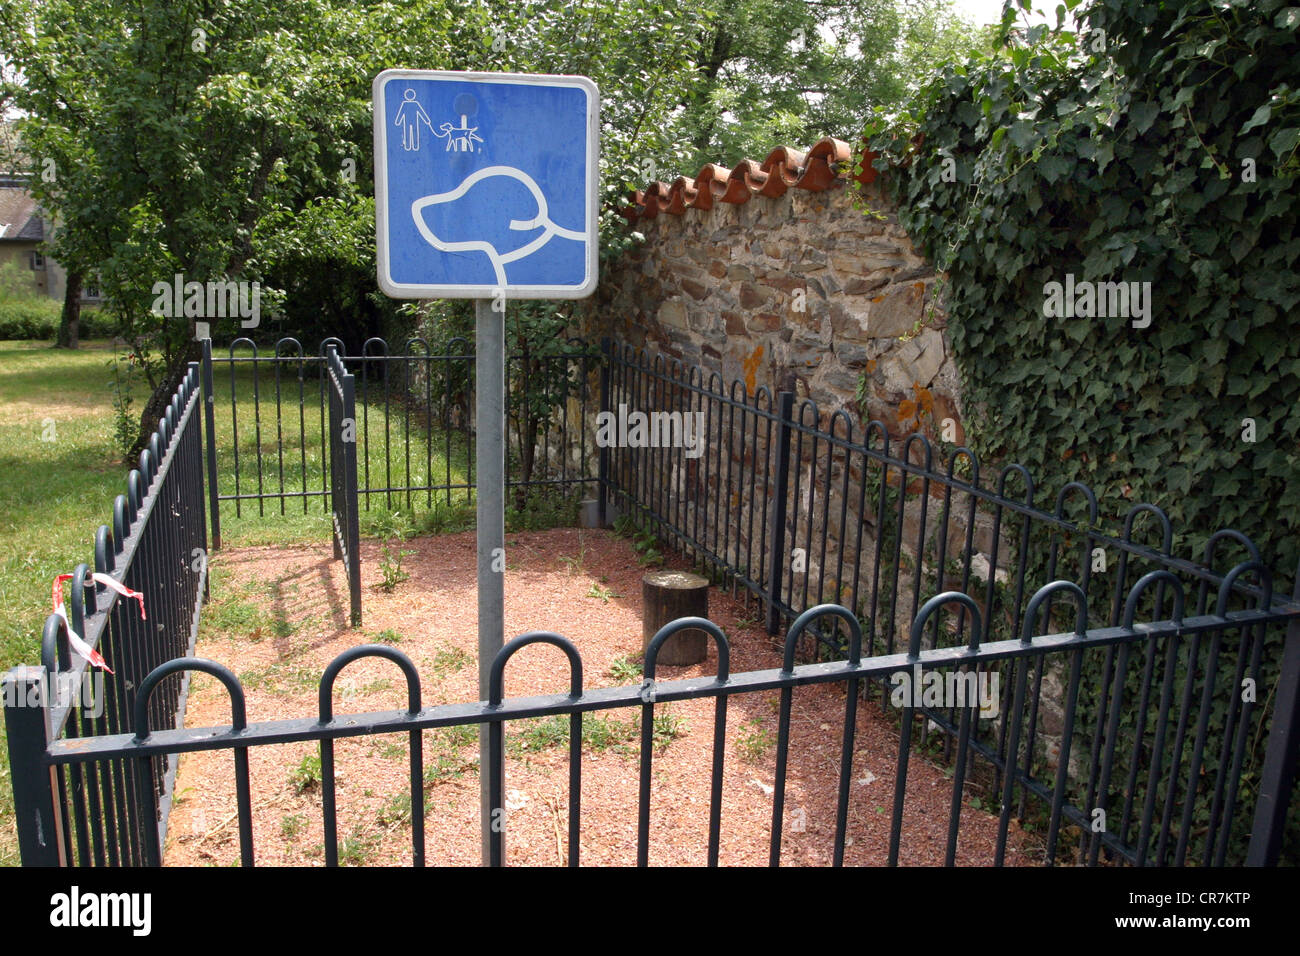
1277, 778
210, 432
785, 402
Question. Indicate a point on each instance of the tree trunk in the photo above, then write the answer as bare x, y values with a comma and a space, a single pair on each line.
665, 597
70, 320
156, 407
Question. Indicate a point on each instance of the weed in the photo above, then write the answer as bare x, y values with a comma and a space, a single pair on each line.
599, 733
577, 564
389, 636
666, 727
392, 751
601, 592
282, 627
447, 518
396, 812
444, 768
754, 742
647, 546
625, 670
291, 824
449, 660
462, 735
390, 567
307, 775
357, 847
235, 617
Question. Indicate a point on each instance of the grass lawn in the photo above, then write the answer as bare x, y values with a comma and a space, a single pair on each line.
294, 458
60, 471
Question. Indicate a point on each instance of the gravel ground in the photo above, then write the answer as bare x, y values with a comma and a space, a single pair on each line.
280, 615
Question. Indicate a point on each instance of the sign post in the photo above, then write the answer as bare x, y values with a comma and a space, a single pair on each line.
485, 189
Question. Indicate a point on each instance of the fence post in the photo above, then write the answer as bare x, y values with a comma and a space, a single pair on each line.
39, 840
602, 486
353, 501
1279, 771
210, 432
785, 409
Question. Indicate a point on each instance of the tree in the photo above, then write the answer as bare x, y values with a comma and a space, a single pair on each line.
788, 72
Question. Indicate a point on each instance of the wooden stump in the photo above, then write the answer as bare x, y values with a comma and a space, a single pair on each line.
669, 595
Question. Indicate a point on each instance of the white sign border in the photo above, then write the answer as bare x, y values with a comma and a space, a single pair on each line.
409, 290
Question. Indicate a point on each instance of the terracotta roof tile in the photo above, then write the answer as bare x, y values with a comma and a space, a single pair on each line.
785, 168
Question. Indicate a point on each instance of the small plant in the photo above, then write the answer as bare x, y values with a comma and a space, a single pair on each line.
647, 546
577, 564
666, 728
754, 741
444, 768
357, 847
449, 660
625, 670
389, 636
307, 775
601, 592
447, 518
291, 824
396, 812
461, 735
126, 425
390, 567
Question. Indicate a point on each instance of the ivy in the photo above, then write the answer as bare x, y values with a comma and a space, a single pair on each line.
1158, 144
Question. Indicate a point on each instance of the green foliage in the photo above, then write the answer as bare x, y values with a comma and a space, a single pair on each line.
449, 660
391, 526
307, 774
390, 567
774, 72
601, 593
625, 670
35, 317
1158, 144
599, 732
754, 741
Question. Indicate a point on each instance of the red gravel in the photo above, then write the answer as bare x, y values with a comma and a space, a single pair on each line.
553, 582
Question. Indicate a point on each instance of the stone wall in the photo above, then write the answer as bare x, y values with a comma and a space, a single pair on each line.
802, 292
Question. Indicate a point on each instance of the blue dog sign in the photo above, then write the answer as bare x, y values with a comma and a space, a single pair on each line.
485, 185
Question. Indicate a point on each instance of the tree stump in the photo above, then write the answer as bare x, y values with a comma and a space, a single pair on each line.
669, 595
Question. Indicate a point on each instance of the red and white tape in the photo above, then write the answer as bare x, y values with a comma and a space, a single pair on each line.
74, 639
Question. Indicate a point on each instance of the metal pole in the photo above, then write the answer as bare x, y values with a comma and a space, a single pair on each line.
489, 454
210, 433
785, 410
1277, 777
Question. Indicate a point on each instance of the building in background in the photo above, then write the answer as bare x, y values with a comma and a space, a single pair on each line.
23, 231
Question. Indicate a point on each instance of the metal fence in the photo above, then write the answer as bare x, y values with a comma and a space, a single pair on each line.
1124, 731
344, 500
414, 430
795, 508
108, 813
